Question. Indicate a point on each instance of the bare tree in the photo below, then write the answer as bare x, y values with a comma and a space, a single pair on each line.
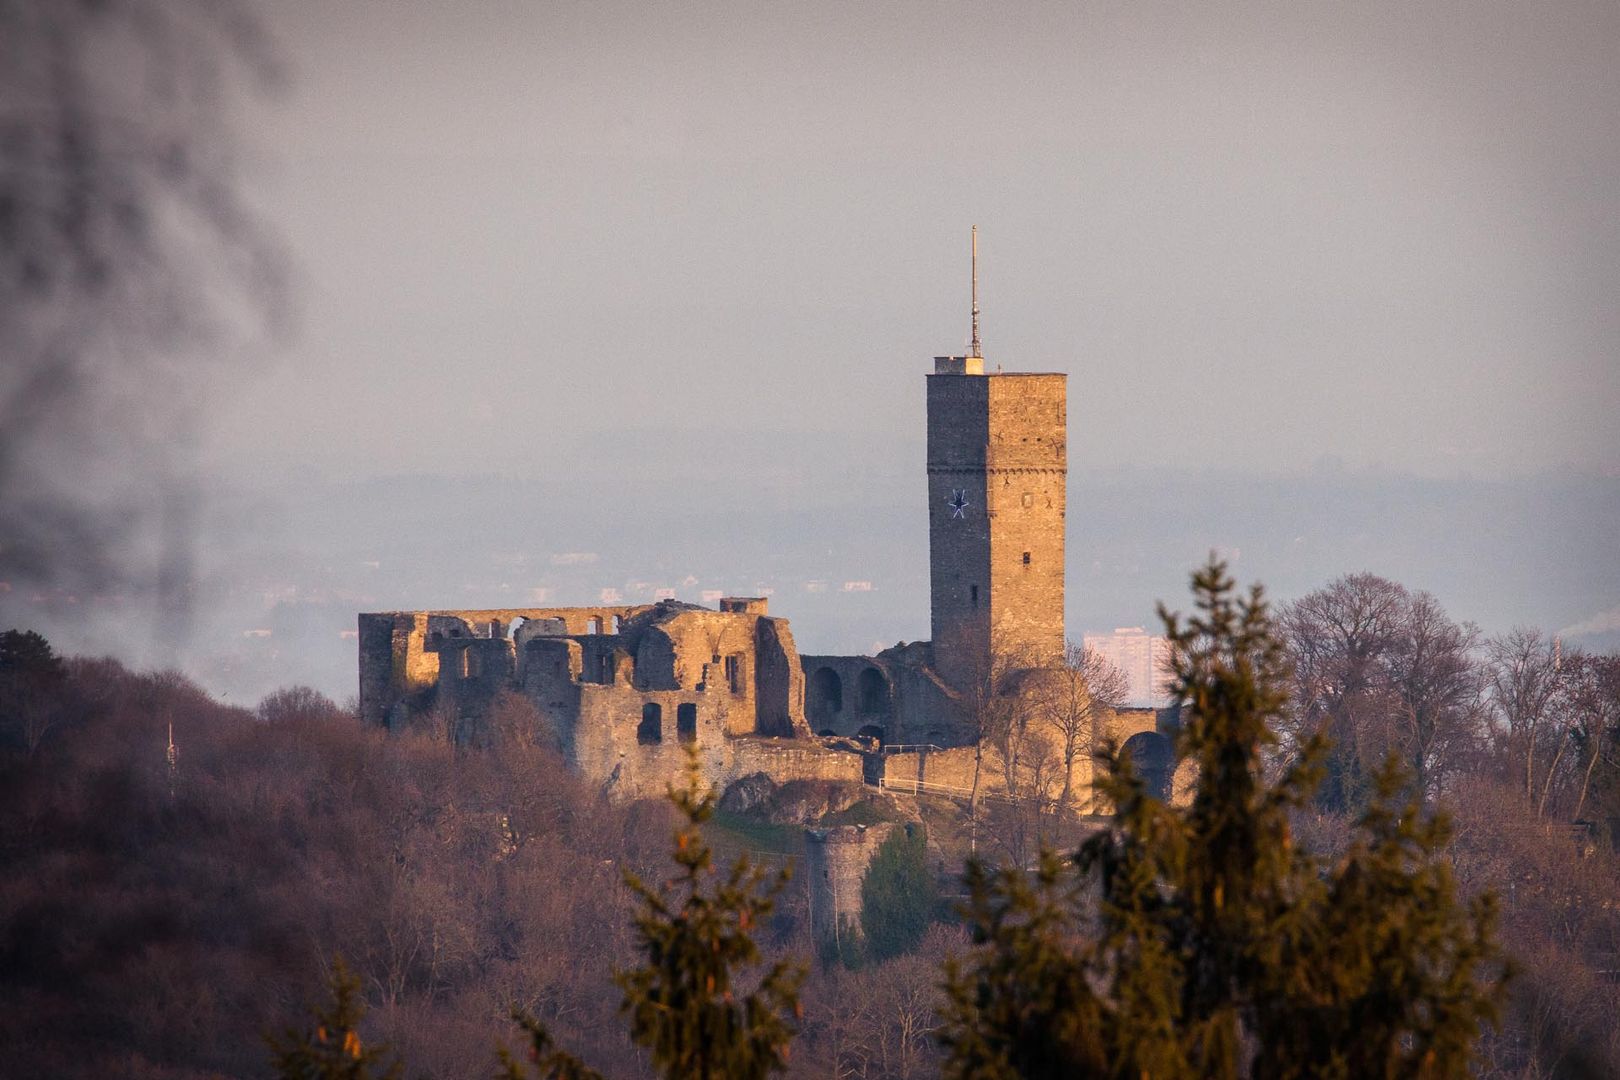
1072, 700
993, 708
1593, 687
1380, 670
1435, 688
1338, 638
1522, 675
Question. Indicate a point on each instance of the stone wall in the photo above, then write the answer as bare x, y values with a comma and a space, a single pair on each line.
1039, 767
784, 760
398, 650
622, 691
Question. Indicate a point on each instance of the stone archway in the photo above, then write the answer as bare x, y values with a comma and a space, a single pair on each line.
1154, 759
872, 692
826, 694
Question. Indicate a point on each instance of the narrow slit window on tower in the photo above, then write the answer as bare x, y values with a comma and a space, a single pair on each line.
973, 593
734, 670
1026, 558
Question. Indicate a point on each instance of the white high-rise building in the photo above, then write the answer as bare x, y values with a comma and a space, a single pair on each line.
1143, 657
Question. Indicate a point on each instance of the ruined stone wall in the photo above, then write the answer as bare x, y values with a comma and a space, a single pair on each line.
472, 673
607, 747
836, 860
395, 665
791, 759
778, 679
902, 698
1037, 770
398, 650
845, 695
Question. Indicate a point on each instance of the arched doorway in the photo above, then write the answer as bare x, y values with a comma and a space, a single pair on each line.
1154, 760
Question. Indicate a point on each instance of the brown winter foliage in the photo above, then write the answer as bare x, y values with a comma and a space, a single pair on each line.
158, 923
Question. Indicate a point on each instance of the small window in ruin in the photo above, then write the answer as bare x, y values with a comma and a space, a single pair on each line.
465, 667
1029, 500
1026, 558
596, 624
604, 668
734, 672
973, 594
651, 730
686, 722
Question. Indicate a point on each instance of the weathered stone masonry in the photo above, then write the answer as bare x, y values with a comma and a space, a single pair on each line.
625, 690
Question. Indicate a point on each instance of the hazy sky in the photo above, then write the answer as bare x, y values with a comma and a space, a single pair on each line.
1257, 235
620, 298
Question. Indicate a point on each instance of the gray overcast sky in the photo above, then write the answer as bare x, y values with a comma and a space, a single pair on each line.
1259, 235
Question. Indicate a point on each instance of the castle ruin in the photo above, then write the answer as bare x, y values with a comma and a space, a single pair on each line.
626, 689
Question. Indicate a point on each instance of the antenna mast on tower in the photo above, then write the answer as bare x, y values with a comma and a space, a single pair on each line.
975, 350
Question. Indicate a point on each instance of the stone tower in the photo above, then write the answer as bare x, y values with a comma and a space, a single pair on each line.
997, 478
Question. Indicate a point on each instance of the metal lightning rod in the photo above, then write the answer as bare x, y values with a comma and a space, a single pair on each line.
975, 234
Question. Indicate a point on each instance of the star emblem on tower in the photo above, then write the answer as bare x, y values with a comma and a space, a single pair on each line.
958, 503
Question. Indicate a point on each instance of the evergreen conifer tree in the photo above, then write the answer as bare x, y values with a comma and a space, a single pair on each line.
1200, 942
331, 1049
898, 895
686, 1001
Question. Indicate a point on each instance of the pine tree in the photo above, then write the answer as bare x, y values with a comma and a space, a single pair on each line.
331, 1049
898, 895
697, 939
1200, 942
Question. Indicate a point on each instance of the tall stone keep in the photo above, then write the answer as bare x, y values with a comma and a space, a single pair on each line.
997, 478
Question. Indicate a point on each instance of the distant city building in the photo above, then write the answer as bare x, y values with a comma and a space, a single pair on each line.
1143, 657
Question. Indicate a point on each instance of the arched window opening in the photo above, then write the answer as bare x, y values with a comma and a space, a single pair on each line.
873, 691
828, 691
686, 722
651, 731
871, 731
596, 624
